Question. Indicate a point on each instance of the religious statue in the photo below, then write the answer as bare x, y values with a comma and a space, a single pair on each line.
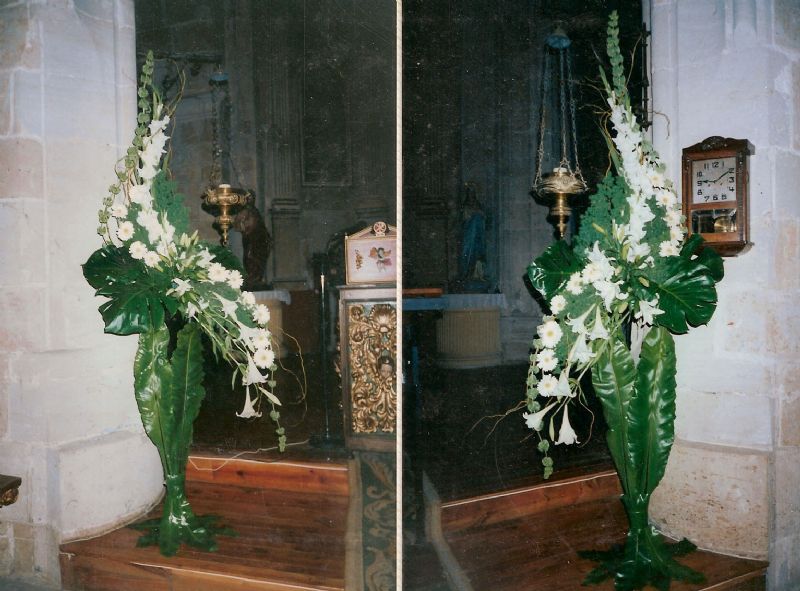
472, 254
256, 246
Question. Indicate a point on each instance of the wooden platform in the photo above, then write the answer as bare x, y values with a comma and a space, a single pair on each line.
292, 524
528, 538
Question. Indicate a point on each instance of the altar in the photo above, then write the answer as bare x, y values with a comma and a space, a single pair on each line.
468, 333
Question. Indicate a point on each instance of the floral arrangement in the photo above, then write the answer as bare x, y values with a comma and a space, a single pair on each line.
174, 290
629, 270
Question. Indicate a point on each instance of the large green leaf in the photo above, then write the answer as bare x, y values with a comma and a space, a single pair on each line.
137, 296
651, 414
152, 379
187, 390
550, 270
704, 256
614, 378
687, 295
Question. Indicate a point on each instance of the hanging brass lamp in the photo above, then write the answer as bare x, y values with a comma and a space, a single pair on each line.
558, 188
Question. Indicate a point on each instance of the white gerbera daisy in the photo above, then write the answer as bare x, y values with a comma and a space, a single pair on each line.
261, 314
550, 333
547, 385
264, 358
137, 250
125, 231
546, 360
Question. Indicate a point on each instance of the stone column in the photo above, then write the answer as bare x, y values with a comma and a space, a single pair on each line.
276, 123
69, 425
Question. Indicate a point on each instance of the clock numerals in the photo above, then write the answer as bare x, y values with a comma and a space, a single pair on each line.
714, 180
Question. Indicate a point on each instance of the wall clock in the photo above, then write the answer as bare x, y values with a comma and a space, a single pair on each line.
715, 193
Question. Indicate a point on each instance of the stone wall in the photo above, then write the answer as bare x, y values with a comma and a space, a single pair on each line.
732, 484
68, 420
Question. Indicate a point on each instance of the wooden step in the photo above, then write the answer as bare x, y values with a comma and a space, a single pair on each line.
291, 519
528, 538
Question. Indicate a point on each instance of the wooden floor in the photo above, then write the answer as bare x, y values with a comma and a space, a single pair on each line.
293, 541
528, 538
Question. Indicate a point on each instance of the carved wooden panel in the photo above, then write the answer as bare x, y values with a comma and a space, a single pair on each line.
369, 378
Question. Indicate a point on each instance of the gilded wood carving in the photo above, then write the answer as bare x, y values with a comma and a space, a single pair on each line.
371, 334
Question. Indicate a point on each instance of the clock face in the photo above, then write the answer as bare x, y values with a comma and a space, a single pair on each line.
714, 180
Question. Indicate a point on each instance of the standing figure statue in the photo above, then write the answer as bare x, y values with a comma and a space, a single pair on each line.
256, 246
472, 255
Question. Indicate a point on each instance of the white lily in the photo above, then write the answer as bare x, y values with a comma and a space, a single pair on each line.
229, 307
598, 330
647, 310
563, 388
253, 376
248, 411
580, 351
181, 287
566, 434
577, 324
535, 420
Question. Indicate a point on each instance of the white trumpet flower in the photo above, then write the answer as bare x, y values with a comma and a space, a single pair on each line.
535, 420
566, 434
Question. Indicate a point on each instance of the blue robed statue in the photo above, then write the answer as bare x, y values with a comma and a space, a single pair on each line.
472, 255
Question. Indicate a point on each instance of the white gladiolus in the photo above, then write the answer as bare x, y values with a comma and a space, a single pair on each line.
140, 194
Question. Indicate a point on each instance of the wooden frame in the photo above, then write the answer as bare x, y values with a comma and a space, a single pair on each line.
725, 240
371, 255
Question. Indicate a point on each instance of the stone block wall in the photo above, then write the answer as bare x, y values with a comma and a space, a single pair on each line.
733, 69
68, 420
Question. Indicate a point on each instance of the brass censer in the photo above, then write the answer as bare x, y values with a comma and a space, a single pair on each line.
224, 202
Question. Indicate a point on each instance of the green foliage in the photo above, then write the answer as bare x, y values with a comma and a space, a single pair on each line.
687, 295
551, 270
152, 376
651, 413
614, 378
137, 294
168, 201
606, 205
704, 256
